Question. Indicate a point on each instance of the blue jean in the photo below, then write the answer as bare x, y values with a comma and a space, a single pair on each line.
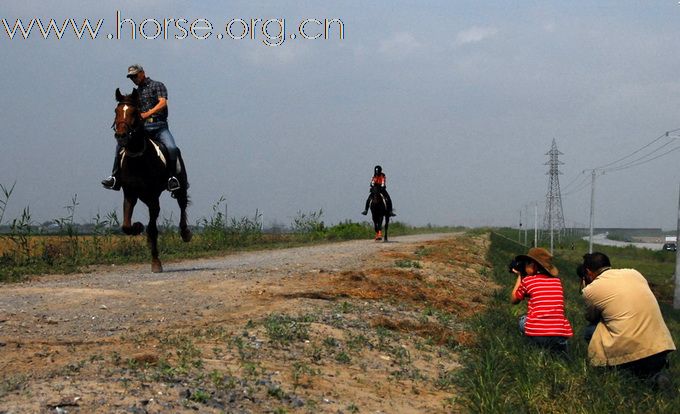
159, 132
557, 343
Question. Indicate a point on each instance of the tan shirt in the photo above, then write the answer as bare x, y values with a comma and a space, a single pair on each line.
631, 326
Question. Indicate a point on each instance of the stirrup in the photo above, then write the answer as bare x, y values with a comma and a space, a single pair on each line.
110, 183
173, 184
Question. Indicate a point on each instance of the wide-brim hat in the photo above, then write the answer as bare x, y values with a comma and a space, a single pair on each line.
542, 257
134, 69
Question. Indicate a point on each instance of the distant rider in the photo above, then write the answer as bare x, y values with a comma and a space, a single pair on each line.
153, 101
379, 179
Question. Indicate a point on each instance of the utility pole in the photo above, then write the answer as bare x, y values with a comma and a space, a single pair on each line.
519, 230
592, 210
526, 211
552, 237
676, 298
536, 225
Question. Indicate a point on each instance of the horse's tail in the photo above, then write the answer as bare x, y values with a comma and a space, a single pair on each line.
183, 177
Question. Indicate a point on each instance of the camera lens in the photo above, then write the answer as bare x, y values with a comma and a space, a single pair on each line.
581, 271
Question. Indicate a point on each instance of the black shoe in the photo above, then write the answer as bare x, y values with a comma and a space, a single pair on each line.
661, 381
392, 214
173, 184
364, 212
110, 184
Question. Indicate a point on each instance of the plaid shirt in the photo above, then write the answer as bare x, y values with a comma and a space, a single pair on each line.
149, 92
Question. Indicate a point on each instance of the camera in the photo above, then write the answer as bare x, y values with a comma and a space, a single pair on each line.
581, 271
517, 265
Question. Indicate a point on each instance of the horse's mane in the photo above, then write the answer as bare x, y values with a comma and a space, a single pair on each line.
131, 99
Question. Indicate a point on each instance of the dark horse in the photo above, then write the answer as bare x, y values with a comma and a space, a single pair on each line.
143, 175
379, 212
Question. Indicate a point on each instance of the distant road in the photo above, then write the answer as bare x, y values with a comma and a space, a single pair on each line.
602, 240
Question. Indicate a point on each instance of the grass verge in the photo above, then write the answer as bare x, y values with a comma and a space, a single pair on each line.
504, 373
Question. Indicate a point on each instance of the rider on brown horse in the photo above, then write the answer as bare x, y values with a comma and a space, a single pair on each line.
379, 179
153, 101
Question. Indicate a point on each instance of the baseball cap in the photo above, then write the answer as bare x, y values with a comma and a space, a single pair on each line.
134, 69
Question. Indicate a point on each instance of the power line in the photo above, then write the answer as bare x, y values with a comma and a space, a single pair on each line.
639, 158
624, 167
573, 181
584, 184
664, 135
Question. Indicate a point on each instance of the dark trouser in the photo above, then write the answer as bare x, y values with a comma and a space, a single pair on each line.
647, 367
554, 343
388, 200
644, 368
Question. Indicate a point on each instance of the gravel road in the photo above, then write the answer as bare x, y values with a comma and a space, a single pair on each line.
107, 301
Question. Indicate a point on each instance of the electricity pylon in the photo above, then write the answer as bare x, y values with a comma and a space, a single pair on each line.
553, 219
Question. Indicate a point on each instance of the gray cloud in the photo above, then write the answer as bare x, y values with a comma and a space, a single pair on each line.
459, 103
475, 34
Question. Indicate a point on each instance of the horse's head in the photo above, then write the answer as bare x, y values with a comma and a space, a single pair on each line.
128, 118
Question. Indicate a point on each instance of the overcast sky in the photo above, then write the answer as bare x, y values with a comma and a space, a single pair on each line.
459, 101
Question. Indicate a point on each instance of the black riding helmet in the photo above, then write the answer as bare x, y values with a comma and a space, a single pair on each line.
377, 170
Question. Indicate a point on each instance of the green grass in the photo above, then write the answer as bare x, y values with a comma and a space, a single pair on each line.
503, 373
408, 263
284, 329
26, 250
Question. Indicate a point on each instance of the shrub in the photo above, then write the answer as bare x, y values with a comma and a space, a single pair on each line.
348, 230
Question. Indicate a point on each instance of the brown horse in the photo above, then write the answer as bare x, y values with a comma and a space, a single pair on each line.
143, 174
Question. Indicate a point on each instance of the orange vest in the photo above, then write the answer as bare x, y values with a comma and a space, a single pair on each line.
380, 180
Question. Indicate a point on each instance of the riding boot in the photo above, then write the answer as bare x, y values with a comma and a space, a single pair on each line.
368, 201
113, 181
173, 182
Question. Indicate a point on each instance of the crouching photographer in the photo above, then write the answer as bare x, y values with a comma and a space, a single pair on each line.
545, 323
627, 329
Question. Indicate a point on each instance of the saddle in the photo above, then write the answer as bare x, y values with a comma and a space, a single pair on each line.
382, 198
158, 147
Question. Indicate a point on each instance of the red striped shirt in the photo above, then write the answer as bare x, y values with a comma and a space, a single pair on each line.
545, 310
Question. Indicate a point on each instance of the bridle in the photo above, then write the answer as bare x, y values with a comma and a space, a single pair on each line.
132, 128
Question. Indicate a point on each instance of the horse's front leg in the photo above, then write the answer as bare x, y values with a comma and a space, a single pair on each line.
128, 207
152, 235
387, 225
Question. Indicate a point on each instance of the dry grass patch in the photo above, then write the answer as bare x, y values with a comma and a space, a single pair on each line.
406, 286
439, 334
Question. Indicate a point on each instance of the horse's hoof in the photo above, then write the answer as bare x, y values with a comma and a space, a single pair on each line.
137, 228
156, 267
186, 235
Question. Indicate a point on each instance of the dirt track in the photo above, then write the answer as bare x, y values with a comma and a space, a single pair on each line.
334, 327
